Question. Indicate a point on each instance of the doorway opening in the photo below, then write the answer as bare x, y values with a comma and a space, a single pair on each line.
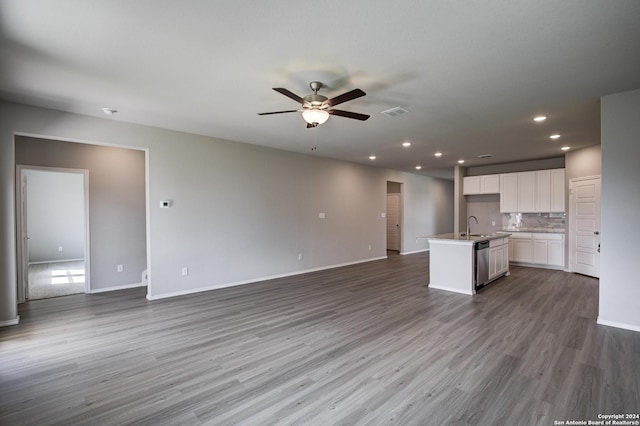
53, 230
394, 217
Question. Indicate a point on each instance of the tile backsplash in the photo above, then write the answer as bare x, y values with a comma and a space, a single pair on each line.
534, 220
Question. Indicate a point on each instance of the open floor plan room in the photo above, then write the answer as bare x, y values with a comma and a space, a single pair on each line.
362, 344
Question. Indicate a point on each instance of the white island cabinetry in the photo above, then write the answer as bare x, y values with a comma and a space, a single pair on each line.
452, 261
498, 257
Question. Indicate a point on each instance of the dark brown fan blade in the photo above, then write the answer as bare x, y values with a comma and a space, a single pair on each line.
289, 94
355, 93
277, 112
348, 114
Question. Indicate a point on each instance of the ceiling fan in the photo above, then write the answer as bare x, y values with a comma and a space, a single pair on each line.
316, 109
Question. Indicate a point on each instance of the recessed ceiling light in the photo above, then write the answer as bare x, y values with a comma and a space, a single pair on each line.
372, 157
406, 144
109, 111
418, 167
460, 161
540, 118
556, 136
565, 148
438, 154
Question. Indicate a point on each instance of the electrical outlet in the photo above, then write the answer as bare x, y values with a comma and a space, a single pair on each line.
369, 246
185, 271
299, 256
383, 215
321, 215
59, 248
493, 223
120, 268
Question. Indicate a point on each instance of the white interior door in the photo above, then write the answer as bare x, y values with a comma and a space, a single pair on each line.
584, 226
393, 222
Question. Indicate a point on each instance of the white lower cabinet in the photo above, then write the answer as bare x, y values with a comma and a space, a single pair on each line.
545, 249
498, 257
522, 248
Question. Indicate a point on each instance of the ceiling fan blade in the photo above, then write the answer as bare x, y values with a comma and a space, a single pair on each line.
289, 94
277, 112
355, 93
348, 114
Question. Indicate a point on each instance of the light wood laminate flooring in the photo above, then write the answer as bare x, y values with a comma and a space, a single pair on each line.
363, 344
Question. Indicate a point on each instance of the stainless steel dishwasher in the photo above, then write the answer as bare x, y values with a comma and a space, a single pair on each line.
482, 263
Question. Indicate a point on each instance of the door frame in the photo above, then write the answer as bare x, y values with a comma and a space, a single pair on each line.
572, 218
400, 214
21, 239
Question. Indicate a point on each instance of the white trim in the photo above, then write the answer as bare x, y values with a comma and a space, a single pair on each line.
254, 280
76, 140
539, 266
454, 290
618, 325
403, 253
119, 287
10, 322
40, 262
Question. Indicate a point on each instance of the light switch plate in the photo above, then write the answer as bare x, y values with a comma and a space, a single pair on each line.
321, 215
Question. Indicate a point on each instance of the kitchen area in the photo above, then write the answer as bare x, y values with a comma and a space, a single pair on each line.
516, 218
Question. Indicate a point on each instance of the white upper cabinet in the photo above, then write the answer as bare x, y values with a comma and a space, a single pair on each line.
557, 191
540, 191
543, 191
487, 184
526, 192
508, 192
471, 185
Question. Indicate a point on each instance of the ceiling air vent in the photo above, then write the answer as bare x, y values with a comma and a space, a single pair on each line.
394, 112
485, 155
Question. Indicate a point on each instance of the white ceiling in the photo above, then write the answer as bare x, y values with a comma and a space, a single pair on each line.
472, 74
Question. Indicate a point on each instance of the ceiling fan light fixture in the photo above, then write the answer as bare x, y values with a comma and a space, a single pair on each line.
315, 116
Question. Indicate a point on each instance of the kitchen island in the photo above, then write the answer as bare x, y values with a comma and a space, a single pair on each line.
453, 261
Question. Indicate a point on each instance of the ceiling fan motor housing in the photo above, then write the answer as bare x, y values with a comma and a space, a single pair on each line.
314, 100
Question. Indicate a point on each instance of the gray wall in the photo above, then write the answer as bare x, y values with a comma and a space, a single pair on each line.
117, 212
55, 206
243, 212
619, 284
583, 162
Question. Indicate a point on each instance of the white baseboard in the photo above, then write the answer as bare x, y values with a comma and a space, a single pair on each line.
254, 280
454, 290
539, 266
119, 287
404, 253
618, 325
10, 322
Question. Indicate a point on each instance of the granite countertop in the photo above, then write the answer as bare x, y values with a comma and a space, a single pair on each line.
462, 238
537, 230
